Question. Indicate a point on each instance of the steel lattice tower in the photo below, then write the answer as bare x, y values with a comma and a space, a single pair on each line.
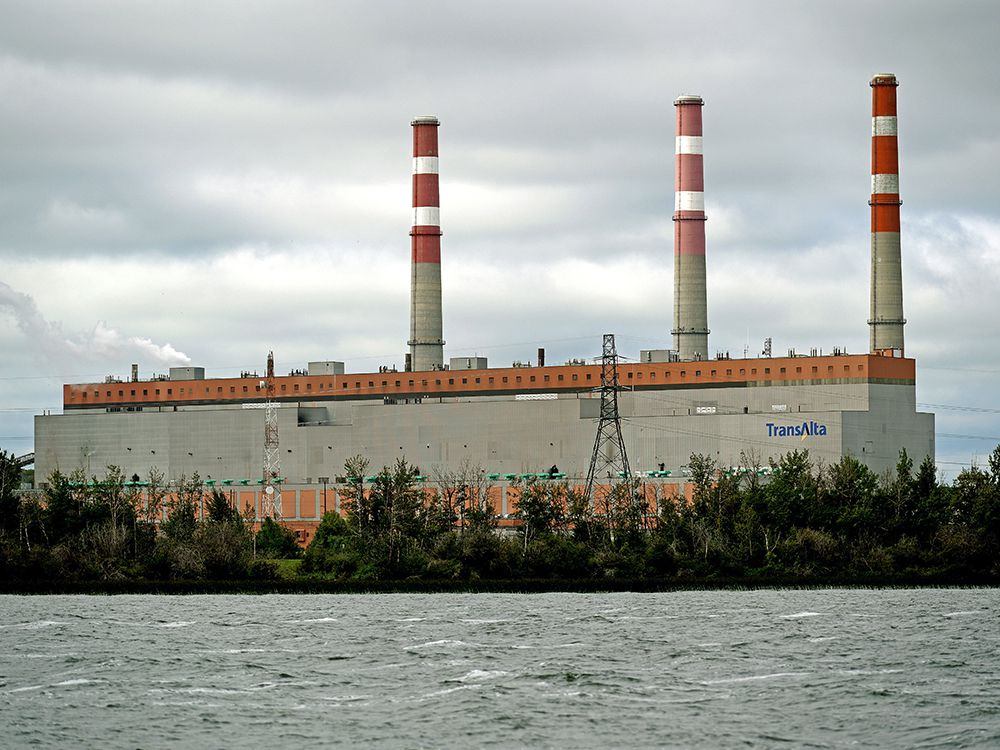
272, 465
609, 456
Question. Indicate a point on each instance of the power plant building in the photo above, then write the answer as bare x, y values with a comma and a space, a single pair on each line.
522, 420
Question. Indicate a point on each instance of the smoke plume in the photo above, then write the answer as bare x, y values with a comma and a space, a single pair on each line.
101, 343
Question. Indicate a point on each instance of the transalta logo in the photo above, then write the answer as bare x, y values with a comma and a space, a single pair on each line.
804, 430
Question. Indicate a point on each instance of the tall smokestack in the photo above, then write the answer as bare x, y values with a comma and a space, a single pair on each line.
426, 344
886, 322
690, 305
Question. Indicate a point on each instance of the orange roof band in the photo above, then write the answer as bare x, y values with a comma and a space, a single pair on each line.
499, 381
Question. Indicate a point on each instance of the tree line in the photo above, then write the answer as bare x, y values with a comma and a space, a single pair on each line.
103, 529
800, 521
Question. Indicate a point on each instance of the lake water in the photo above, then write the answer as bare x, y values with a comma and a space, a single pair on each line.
813, 668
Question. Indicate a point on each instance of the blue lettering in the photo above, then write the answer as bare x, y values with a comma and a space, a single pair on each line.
805, 429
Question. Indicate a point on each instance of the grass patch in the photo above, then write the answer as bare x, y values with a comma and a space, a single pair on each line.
288, 570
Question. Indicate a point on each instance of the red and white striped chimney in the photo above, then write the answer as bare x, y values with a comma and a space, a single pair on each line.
426, 343
690, 301
886, 322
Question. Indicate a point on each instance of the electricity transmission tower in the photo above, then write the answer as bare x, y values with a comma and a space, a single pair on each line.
272, 466
609, 459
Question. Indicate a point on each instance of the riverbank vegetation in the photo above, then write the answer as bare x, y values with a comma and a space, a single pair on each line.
800, 522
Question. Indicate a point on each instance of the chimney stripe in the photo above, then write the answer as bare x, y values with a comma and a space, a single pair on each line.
685, 200
688, 144
884, 125
689, 172
885, 183
885, 155
425, 190
425, 165
426, 216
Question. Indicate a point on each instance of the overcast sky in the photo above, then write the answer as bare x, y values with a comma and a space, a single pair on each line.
202, 182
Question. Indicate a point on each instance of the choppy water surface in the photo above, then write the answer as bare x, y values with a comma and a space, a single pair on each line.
889, 668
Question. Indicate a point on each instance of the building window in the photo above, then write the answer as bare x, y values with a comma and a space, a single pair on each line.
490, 381
309, 387
629, 376
344, 385
532, 378
847, 368
477, 381
588, 376
296, 386
697, 373
409, 381
437, 382
504, 379
371, 384
713, 373
683, 373
121, 394
465, 381
109, 394
145, 392
798, 369
517, 378
729, 372
767, 370
451, 381
232, 388
753, 370
170, 391
245, 389
397, 384
546, 378
157, 392
743, 371
782, 369
560, 378
284, 387
575, 376
815, 369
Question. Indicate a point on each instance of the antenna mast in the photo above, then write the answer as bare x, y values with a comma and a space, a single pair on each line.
272, 467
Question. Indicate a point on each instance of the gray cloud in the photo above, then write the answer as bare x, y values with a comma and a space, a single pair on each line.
235, 177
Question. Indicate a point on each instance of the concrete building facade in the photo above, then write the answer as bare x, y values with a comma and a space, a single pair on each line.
504, 420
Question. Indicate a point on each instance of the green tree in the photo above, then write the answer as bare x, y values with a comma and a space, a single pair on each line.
854, 488
541, 508
182, 510
332, 549
275, 540
388, 519
10, 501
220, 509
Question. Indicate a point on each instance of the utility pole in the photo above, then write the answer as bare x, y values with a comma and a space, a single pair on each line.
272, 466
609, 458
